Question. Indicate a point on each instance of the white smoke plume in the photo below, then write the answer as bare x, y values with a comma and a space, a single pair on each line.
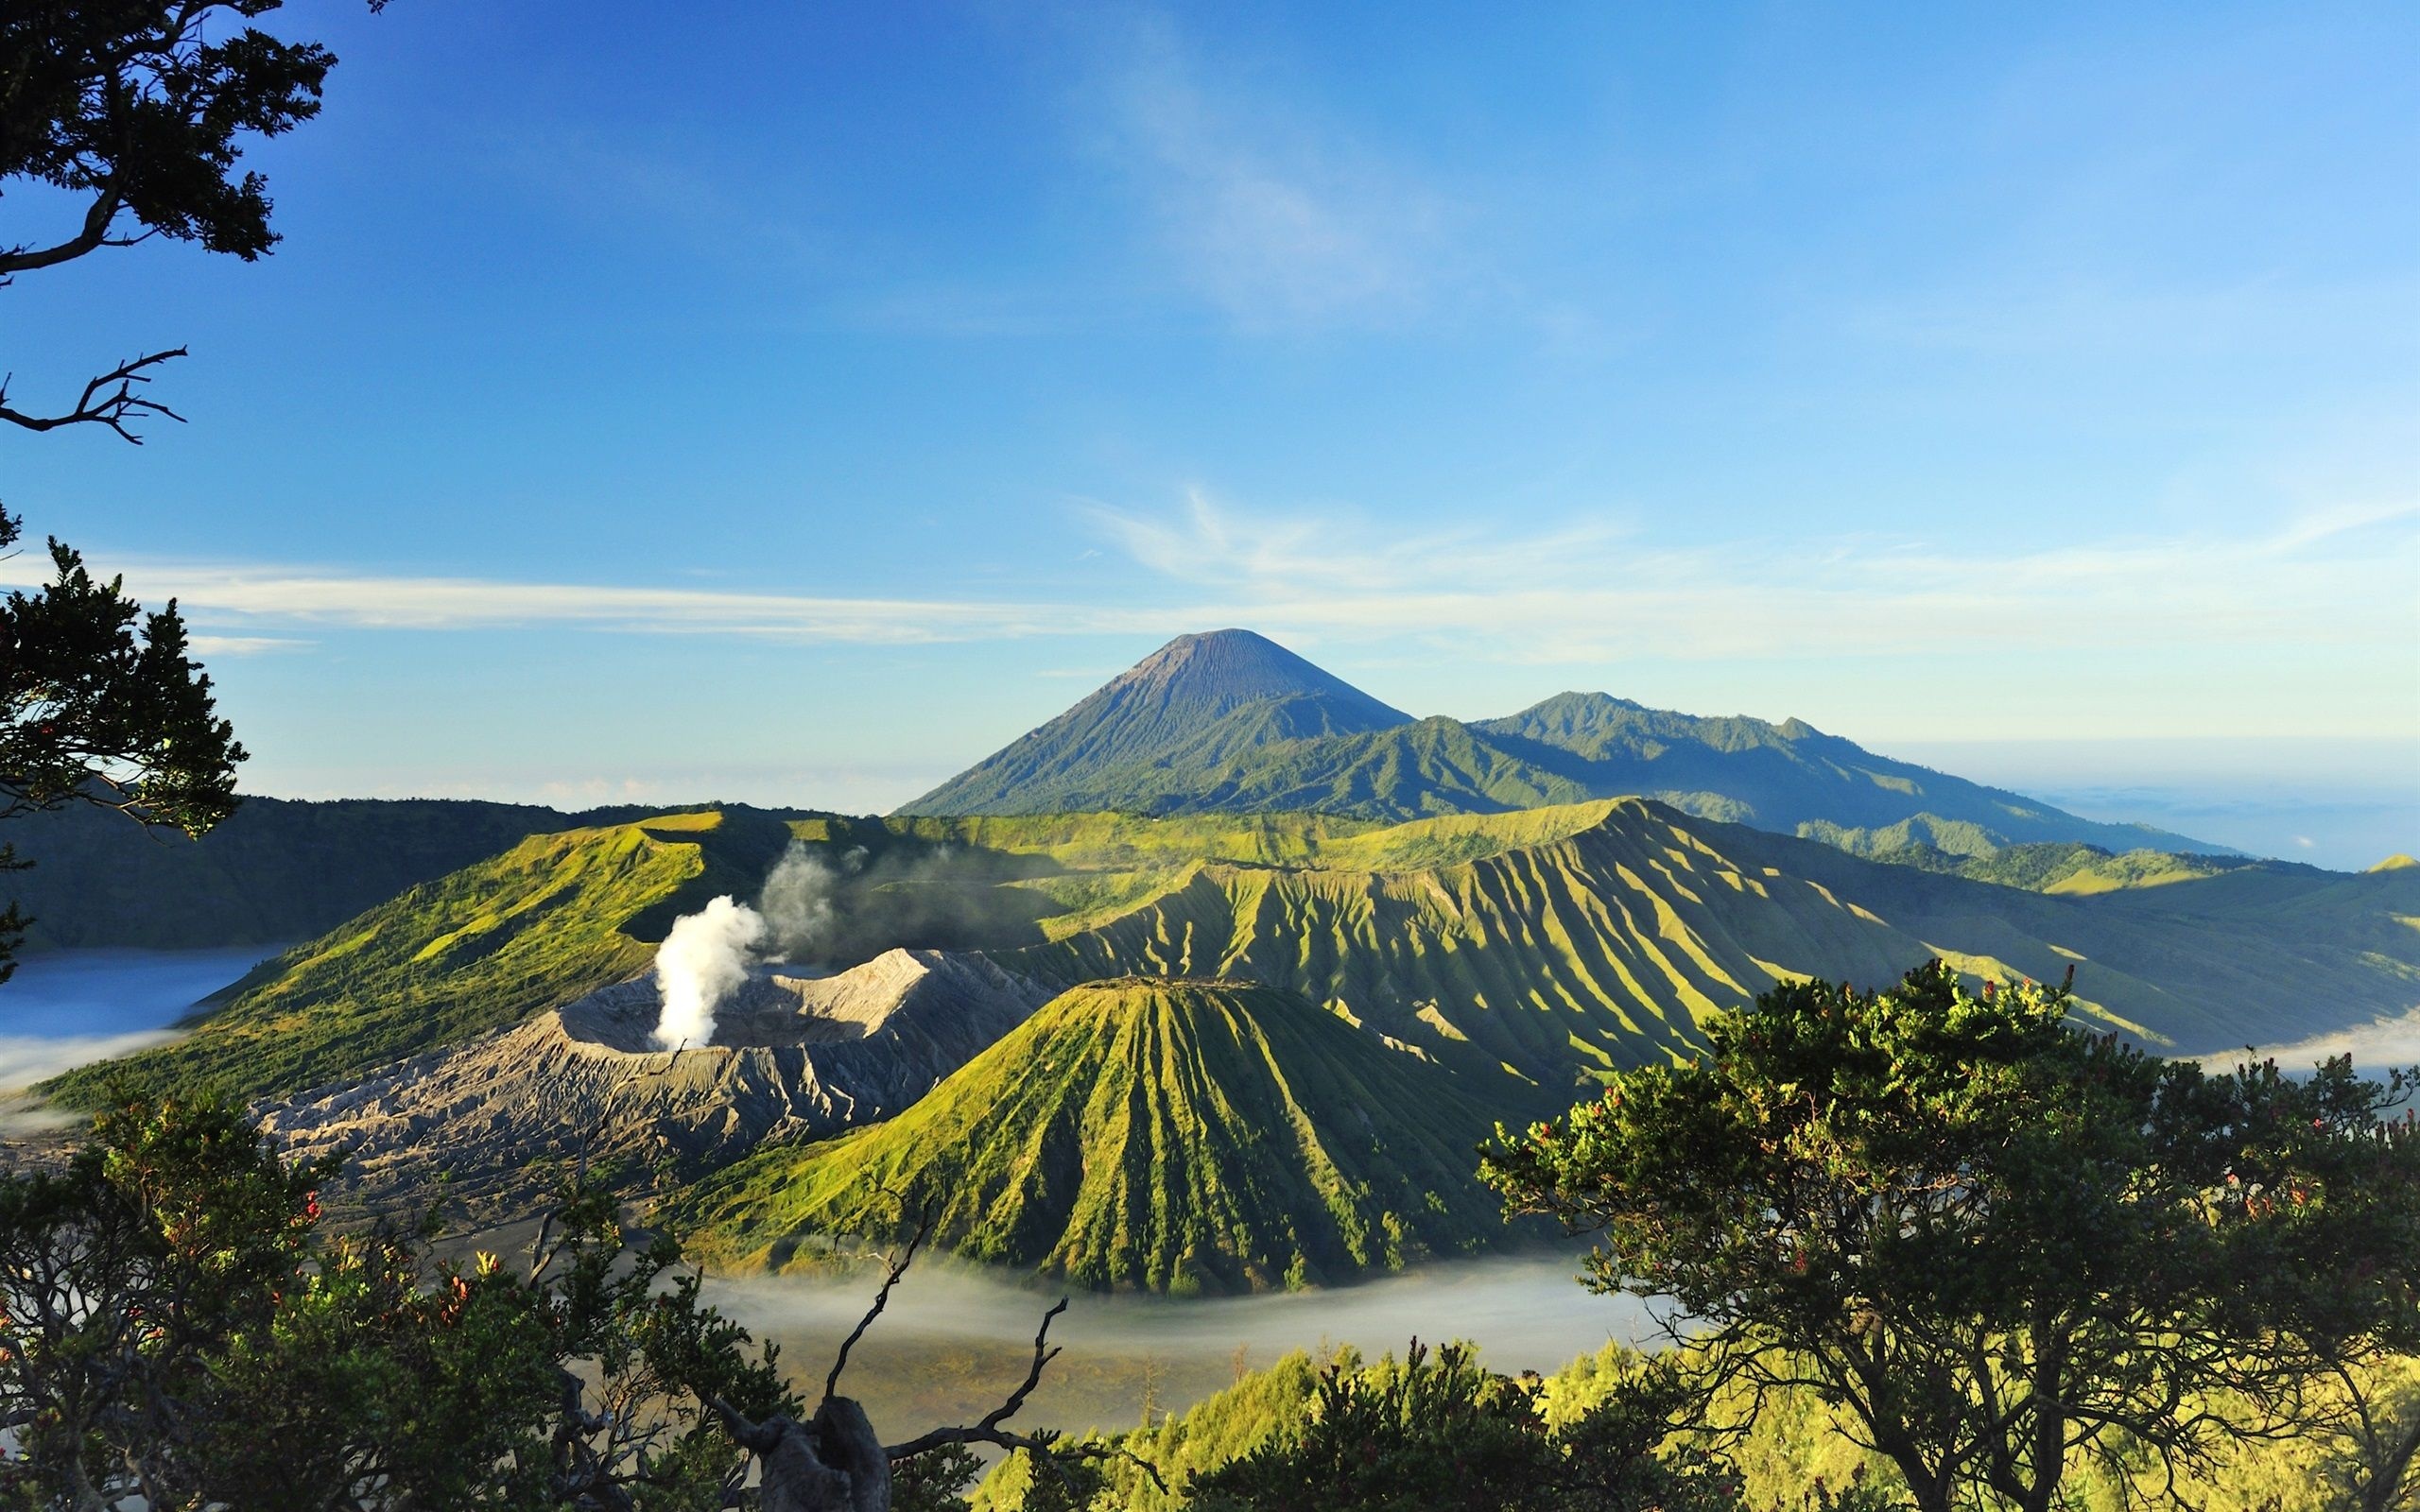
698, 964
797, 901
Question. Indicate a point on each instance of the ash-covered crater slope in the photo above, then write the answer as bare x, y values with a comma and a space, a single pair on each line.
794, 1056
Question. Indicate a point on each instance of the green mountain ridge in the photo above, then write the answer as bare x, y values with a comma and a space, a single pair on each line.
550, 920
1183, 732
1527, 951
277, 872
2073, 868
1531, 950
1168, 1135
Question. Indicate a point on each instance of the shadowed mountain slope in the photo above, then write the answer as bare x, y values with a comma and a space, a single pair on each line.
1170, 1135
1193, 703
275, 872
1226, 723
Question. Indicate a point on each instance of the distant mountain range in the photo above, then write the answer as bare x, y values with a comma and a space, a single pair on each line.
1232, 723
1218, 726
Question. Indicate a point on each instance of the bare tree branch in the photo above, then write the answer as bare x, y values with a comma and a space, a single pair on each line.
882, 1298
100, 404
93, 235
1045, 1445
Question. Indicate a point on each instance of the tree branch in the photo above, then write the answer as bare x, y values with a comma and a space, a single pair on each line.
882, 1298
990, 1431
100, 404
93, 235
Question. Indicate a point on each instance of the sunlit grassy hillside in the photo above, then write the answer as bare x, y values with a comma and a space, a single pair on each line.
1527, 951
553, 918
1170, 1135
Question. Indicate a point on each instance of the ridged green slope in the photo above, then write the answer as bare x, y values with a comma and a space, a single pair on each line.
1529, 951
554, 917
1170, 1135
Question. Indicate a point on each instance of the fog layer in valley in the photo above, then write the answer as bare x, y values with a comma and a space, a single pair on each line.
67, 1008
2375, 1048
957, 1339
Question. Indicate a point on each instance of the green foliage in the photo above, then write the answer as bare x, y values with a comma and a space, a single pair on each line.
1990, 1241
1213, 1431
552, 918
173, 1325
139, 111
936, 1481
1181, 1137
93, 710
1437, 1433
1434, 1431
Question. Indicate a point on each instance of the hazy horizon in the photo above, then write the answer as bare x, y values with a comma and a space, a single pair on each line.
2344, 803
833, 393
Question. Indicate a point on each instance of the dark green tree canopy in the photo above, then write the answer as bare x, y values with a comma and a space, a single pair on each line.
1439, 1433
139, 110
100, 703
1989, 1238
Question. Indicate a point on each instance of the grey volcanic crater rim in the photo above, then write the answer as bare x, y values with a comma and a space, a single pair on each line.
796, 1056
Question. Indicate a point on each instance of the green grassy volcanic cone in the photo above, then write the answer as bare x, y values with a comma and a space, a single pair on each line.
1177, 1136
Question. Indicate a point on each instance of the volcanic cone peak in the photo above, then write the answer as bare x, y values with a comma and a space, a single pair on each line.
1176, 1135
1211, 675
1192, 703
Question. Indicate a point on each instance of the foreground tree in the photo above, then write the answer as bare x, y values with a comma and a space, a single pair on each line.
100, 703
138, 110
1989, 1240
1437, 1432
176, 1327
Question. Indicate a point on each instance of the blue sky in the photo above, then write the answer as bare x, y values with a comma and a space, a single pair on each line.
796, 402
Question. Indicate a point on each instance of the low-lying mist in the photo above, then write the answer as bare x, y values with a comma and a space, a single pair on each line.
957, 1338
2376, 1048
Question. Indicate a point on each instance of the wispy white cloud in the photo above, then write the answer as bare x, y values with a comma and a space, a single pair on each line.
2330, 583
1279, 218
2379, 1046
245, 644
1598, 592
25, 1059
258, 596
